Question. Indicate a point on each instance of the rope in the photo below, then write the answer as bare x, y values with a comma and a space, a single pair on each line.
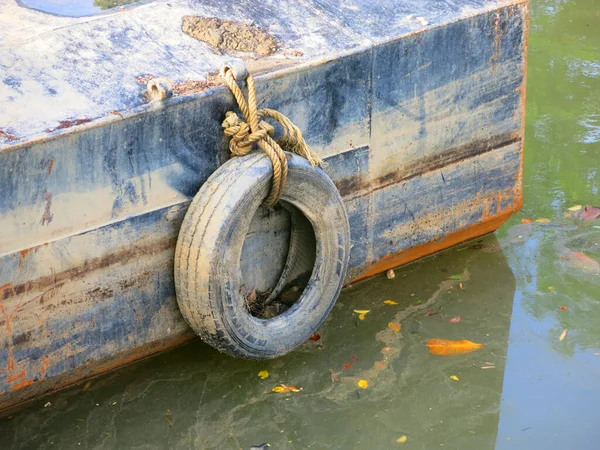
244, 134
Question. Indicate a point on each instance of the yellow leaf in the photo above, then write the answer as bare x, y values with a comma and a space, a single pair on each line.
295, 389
281, 389
402, 440
542, 220
395, 326
363, 384
454, 377
362, 311
575, 208
263, 374
444, 347
390, 302
562, 335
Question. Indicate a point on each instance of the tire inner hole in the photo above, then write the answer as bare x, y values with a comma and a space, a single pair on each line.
266, 249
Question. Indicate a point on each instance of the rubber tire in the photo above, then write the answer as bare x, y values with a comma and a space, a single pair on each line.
208, 278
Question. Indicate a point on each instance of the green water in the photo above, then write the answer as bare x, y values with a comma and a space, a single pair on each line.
526, 389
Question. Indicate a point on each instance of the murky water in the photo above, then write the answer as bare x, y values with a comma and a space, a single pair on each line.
527, 389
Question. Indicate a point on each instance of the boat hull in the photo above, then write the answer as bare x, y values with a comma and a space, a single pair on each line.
422, 135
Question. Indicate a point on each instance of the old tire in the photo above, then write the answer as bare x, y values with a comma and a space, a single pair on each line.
208, 279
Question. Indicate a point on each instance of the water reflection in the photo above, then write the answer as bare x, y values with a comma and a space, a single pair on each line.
194, 397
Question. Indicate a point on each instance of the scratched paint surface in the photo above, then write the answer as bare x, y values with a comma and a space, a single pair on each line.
91, 217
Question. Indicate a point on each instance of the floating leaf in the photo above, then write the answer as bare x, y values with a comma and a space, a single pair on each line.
263, 374
575, 208
395, 326
562, 335
456, 277
542, 220
563, 308
363, 384
390, 302
526, 220
387, 349
445, 347
454, 377
589, 213
582, 261
295, 389
390, 274
315, 337
362, 316
402, 440
488, 367
362, 311
347, 366
429, 312
454, 319
281, 389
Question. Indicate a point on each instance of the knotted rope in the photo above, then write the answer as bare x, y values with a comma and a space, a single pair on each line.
244, 134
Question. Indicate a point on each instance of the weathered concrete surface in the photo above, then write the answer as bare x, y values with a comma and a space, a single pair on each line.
421, 126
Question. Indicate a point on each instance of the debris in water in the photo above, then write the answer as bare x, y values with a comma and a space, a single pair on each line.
394, 326
390, 302
488, 367
582, 261
456, 277
563, 308
402, 440
542, 220
362, 313
264, 446
562, 335
429, 312
263, 374
454, 319
315, 337
47, 404
347, 366
575, 208
445, 347
454, 377
390, 274
363, 384
526, 220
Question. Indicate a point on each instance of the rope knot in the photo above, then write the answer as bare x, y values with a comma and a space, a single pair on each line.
245, 134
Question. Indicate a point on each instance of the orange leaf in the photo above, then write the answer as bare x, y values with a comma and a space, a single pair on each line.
281, 389
295, 389
315, 337
395, 326
526, 220
563, 308
445, 347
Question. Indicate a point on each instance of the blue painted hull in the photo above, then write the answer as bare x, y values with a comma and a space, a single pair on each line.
423, 135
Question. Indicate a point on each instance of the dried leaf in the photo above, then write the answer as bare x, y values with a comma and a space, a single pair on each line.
390, 302
347, 366
402, 440
390, 274
281, 389
362, 311
526, 220
295, 389
445, 347
562, 335
363, 384
263, 374
575, 208
315, 337
542, 220
394, 326
456, 277
362, 316
387, 349
454, 377
252, 296
582, 261
589, 213
563, 308
454, 319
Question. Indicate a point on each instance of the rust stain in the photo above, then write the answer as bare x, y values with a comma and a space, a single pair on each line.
50, 166
23, 254
47, 217
420, 251
131, 252
357, 186
17, 376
